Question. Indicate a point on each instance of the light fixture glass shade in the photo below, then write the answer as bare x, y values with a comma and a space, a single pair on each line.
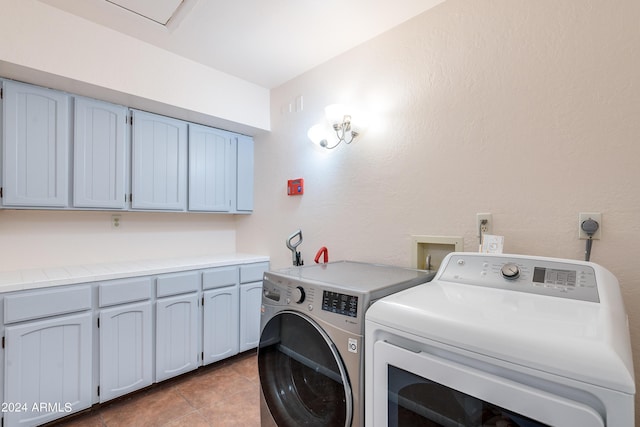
335, 113
317, 134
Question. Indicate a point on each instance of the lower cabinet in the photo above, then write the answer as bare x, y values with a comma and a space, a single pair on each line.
48, 369
126, 352
220, 324
176, 335
250, 301
63, 345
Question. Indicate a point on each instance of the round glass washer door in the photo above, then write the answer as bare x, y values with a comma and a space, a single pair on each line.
302, 376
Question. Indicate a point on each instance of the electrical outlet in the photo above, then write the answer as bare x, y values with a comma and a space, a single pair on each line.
116, 221
487, 227
583, 216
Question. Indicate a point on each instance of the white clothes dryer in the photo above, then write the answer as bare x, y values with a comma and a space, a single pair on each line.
310, 355
502, 340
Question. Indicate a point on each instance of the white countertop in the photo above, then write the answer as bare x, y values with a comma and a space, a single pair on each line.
56, 276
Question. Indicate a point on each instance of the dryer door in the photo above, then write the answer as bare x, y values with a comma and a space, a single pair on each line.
436, 388
302, 377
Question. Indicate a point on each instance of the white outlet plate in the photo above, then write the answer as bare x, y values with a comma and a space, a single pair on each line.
583, 216
488, 227
116, 221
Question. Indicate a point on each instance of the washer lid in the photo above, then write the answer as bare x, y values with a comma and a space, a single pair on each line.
576, 339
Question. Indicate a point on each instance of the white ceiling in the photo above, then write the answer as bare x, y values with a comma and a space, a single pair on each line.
267, 42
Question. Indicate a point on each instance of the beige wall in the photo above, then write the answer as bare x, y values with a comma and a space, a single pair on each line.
37, 239
43, 45
526, 109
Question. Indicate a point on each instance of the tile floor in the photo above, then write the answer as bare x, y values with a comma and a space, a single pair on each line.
226, 393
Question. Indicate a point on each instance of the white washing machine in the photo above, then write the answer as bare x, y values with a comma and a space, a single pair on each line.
310, 356
502, 340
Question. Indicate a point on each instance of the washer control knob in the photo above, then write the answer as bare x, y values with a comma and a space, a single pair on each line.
298, 295
510, 271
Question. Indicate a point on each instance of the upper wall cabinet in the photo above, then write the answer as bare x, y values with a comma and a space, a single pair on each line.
220, 171
210, 169
100, 155
244, 192
159, 162
63, 151
36, 146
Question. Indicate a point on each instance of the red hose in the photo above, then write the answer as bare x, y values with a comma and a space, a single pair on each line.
322, 250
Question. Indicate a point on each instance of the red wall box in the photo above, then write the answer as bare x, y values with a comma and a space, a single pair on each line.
295, 187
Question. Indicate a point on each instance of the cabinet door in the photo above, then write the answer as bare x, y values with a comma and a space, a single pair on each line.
126, 353
159, 162
48, 364
176, 335
210, 169
250, 301
244, 191
36, 146
220, 327
100, 131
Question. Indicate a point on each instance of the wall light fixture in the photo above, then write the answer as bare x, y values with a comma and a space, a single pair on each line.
340, 125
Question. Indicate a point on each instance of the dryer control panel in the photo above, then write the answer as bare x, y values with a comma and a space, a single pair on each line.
532, 275
340, 303
320, 302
